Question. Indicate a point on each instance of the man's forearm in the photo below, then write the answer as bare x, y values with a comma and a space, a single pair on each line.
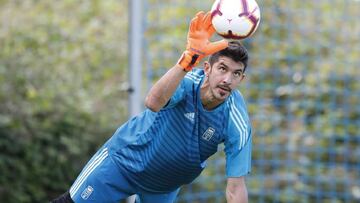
237, 197
236, 191
164, 88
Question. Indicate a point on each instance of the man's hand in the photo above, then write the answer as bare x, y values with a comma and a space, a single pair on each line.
198, 44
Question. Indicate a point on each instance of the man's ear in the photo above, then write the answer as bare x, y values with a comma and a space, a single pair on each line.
207, 68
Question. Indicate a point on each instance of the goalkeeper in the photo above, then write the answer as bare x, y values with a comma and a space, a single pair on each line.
189, 113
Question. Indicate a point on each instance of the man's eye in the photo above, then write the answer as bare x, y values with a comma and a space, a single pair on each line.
237, 74
222, 68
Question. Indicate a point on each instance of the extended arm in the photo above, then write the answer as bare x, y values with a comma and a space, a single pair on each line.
236, 191
198, 46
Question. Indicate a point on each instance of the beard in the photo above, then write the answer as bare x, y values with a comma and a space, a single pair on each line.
221, 92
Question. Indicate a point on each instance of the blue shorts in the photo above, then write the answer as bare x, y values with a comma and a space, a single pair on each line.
102, 181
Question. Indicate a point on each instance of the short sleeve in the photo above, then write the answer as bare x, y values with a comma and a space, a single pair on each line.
177, 96
238, 139
191, 78
238, 160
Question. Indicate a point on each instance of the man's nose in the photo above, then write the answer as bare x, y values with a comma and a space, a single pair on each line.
228, 78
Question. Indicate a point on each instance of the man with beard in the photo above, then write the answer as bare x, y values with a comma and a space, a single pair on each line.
189, 113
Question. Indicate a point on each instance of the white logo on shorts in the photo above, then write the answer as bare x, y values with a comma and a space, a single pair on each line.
87, 192
208, 134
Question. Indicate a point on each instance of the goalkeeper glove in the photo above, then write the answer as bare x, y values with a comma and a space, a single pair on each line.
198, 44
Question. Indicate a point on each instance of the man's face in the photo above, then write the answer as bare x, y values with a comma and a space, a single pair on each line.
224, 76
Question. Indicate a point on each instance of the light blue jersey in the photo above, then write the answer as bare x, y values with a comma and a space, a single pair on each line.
154, 153
160, 151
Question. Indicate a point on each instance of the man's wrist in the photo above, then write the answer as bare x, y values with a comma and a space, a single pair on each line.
187, 60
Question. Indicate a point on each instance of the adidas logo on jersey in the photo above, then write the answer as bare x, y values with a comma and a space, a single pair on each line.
190, 116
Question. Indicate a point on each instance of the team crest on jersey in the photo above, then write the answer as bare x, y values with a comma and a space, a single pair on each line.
208, 134
87, 192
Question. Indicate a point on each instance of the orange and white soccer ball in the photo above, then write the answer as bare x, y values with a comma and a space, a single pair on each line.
235, 19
